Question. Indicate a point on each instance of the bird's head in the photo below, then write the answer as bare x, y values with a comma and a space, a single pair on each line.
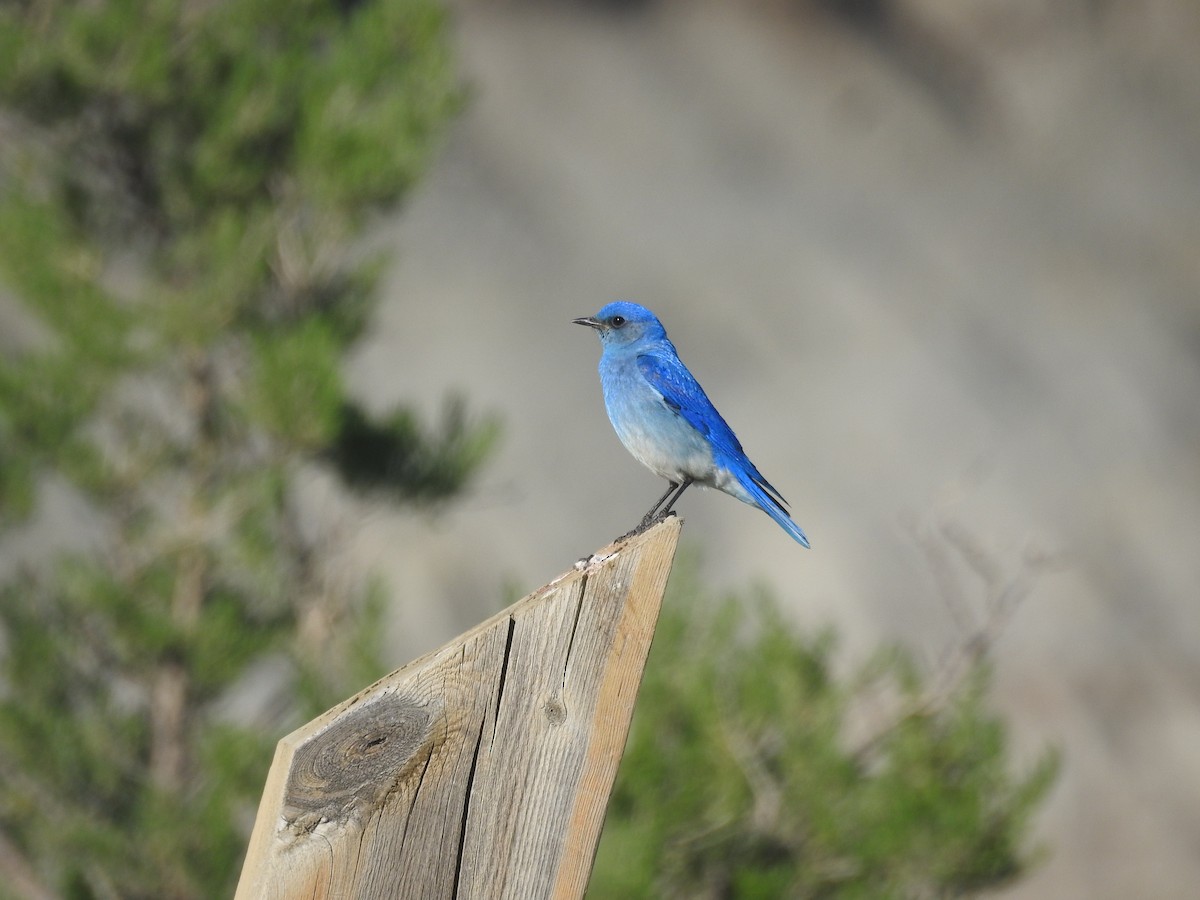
623, 323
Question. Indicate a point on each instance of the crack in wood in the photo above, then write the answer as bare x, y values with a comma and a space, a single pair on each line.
416, 793
583, 583
462, 833
512, 627
362, 836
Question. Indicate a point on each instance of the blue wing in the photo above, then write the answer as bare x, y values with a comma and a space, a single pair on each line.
682, 393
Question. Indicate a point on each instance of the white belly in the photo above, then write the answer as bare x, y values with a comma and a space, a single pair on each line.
657, 436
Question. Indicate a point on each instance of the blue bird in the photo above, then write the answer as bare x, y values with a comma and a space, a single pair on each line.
664, 418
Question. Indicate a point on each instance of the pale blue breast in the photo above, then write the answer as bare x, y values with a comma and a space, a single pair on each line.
656, 436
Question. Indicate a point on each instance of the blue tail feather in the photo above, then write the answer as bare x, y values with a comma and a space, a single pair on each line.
769, 501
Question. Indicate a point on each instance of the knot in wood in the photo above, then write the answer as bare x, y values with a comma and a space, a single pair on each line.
359, 758
555, 710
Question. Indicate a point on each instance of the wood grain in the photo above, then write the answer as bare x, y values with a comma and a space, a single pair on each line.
482, 769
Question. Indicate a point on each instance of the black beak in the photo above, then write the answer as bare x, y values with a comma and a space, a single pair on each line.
589, 321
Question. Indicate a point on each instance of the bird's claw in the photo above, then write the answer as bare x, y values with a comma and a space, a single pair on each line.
647, 521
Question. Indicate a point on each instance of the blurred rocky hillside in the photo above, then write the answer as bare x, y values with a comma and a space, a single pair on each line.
938, 263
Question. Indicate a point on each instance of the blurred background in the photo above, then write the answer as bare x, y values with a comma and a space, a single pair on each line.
936, 263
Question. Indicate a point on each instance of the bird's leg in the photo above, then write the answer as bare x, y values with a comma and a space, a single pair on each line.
666, 510
649, 517
655, 514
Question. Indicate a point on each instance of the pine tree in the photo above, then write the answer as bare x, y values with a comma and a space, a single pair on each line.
183, 192
755, 770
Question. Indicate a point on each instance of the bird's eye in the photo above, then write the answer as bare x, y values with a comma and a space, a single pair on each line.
618, 321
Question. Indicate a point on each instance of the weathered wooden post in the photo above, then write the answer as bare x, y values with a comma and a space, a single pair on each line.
480, 770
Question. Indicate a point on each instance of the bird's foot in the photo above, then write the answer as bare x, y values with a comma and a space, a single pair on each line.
647, 522
652, 519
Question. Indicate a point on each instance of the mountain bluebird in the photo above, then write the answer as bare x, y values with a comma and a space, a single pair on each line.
664, 418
